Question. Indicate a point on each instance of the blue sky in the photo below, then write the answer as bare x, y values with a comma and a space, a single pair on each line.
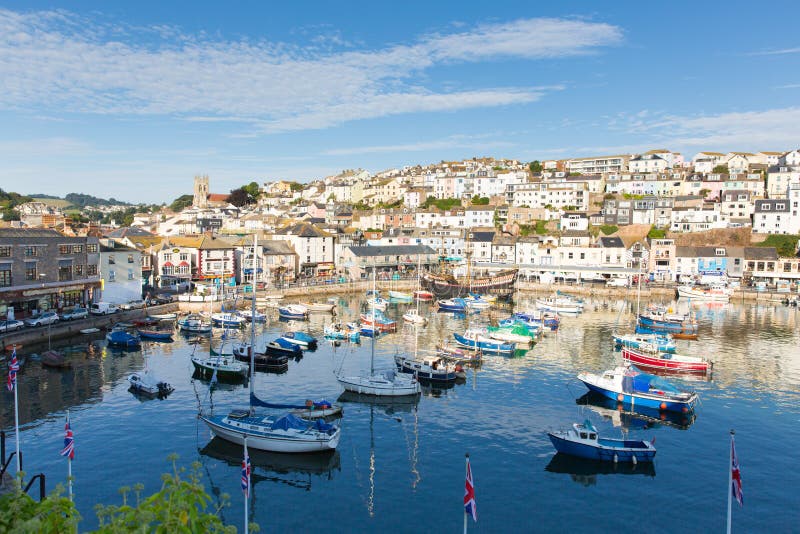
133, 100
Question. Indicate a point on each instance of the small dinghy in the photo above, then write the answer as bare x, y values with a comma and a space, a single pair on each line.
281, 347
55, 360
89, 330
583, 441
155, 335
147, 385
121, 338
302, 339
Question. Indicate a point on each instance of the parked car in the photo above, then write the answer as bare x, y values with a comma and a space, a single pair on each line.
132, 305
162, 298
48, 317
75, 313
10, 325
103, 308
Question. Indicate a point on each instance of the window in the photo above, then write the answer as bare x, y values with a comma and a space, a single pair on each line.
91, 270
77, 249
31, 251
719, 252
130, 274
5, 252
184, 256
765, 207
78, 270
64, 249
65, 273
780, 207
5, 275
130, 258
111, 260
112, 276
30, 270
167, 256
91, 248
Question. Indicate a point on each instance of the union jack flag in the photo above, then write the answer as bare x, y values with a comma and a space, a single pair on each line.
69, 442
470, 507
246, 473
736, 476
13, 368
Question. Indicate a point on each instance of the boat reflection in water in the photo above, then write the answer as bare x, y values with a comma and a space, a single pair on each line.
585, 471
263, 462
639, 419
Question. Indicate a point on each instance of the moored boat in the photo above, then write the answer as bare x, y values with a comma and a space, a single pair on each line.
54, 359
423, 295
281, 347
428, 368
583, 441
714, 293
195, 324
401, 297
287, 433
661, 342
293, 311
223, 367
305, 341
146, 383
452, 305
414, 317
379, 321
155, 335
249, 315
559, 305
631, 386
121, 338
474, 340
227, 319
323, 307
642, 357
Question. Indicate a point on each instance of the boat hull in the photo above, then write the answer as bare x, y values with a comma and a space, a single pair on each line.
504, 349
379, 386
704, 295
640, 400
271, 442
654, 361
600, 453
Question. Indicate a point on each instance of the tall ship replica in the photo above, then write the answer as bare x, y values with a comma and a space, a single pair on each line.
445, 285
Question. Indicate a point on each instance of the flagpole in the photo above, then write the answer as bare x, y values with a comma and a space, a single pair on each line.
16, 426
247, 493
466, 469
69, 467
730, 480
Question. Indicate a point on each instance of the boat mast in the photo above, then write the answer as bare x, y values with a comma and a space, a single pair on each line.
374, 326
253, 315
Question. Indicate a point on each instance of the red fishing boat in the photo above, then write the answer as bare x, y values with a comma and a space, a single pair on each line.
654, 359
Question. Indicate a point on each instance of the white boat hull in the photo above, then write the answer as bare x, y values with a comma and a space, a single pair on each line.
709, 296
291, 442
379, 385
323, 307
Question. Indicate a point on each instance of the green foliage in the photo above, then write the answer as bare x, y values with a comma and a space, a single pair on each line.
539, 228
628, 196
608, 229
570, 208
183, 201
294, 186
785, 245
10, 214
720, 169
441, 203
362, 206
497, 168
253, 190
395, 204
182, 505
535, 166
20, 513
8, 201
479, 201
656, 233
121, 217
82, 200
608, 196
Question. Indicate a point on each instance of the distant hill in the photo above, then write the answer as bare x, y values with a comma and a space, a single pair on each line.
78, 200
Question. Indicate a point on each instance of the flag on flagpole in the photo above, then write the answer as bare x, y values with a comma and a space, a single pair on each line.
69, 441
246, 473
736, 477
13, 368
470, 507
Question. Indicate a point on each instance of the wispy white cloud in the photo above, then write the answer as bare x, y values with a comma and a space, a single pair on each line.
789, 86
55, 60
771, 129
777, 52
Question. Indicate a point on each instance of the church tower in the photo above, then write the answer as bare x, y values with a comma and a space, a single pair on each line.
200, 192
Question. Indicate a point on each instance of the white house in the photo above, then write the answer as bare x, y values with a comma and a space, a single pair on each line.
644, 163
778, 215
120, 272
704, 162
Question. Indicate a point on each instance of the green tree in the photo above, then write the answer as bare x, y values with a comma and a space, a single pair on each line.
535, 166
183, 201
54, 515
656, 233
608, 229
239, 197
294, 186
480, 201
720, 169
253, 191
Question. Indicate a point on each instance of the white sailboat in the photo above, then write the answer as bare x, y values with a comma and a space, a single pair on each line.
286, 433
385, 384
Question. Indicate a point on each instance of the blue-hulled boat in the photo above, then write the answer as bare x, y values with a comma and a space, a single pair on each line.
155, 335
452, 305
302, 339
583, 441
531, 318
121, 338
631, 386
293, 311
661, 342
368, 330
282, 347
475, 341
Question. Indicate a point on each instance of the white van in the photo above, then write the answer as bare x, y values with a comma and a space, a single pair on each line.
617, 282
103, 308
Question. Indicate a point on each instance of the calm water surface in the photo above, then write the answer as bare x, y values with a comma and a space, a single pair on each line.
401, 466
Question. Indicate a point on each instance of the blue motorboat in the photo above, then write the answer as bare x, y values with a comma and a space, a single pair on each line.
631, 386
368, 330
302, 339
531, 318
121, 338
293, 311
583, 441
640, 340
282, 347
474, 340
452, 305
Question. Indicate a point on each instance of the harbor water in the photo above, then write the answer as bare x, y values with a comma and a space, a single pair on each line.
400, 465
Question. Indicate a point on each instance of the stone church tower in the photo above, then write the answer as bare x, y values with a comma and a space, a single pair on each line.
200, 192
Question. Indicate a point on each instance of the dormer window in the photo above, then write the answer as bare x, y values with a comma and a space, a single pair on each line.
719, 252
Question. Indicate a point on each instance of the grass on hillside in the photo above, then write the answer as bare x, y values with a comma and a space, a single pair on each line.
785, 245
57, 202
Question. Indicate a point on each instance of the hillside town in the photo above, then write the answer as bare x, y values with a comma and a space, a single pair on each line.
578, 220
